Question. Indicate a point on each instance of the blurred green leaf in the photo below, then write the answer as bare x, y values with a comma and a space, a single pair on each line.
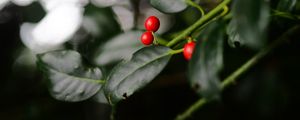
249, 23
98, 26
120, 47
169, 6
128, 77
207, 61
286, 5
104, 19
70, 79
297, 8
125, 15
26, 59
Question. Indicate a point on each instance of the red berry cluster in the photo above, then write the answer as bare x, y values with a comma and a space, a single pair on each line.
151, 24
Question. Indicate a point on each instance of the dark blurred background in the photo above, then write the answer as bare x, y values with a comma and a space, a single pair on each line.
270, 90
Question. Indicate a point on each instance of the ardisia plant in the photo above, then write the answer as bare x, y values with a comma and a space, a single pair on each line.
139, 51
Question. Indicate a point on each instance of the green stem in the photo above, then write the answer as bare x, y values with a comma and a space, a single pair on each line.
113, 112
285, 15
174, 34
206, 17
233, 77
228, 16
161, 41
225, 11
192, 109
192, 3
172, 52
100, 81
197, 31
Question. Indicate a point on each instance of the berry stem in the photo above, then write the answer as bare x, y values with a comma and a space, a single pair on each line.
244, 68
203, 19
192, 3
189, 39
172, 52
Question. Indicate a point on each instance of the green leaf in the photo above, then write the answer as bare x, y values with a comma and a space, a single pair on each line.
207, 61
249, 23
120, 47
169, 6
234, 38
100, 97
70, 79
128, 77
125, 16
286, 5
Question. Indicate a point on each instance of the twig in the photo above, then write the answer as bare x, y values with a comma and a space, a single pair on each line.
233, 77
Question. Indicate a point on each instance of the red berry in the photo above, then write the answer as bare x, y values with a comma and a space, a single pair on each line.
147, 38
152, 23
188, 50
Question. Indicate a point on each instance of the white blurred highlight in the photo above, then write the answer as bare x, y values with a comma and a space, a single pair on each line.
3, 3
22, 2
104, 3
49, 5
59, 25
55, 28
31, 43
